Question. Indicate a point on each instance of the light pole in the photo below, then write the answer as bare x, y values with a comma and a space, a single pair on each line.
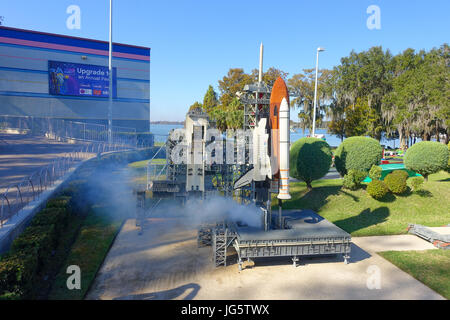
110, 100
315, 92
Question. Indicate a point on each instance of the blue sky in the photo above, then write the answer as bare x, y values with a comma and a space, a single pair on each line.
194, 43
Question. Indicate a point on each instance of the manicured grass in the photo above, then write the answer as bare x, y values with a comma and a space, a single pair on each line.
361, 215
431, 267
139, 169
144, 163
111, 206
88, 252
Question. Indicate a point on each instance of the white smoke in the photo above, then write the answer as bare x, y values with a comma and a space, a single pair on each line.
216, 209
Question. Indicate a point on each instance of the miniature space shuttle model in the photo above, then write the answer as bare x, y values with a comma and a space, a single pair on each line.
271, 144
279, 119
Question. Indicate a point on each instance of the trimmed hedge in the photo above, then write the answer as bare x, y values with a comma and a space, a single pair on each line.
396, 183
33, 248
357, 153
310, 159
377, 189
427, 157
21, 269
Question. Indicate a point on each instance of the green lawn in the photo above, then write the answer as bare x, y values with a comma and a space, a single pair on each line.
139, 169
109, 209
144, 163
431, 267
359, 214
88, 252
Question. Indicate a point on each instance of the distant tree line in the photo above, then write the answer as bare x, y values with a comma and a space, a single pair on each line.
371, 93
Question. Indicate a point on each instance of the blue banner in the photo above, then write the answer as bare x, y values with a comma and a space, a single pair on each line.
75, 79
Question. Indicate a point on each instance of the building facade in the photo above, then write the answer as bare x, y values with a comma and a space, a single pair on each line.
57, 76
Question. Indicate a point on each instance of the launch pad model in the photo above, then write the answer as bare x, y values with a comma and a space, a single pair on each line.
259, 170
305, 234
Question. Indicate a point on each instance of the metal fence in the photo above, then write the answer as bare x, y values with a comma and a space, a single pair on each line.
60, 129
16, 196
156, 171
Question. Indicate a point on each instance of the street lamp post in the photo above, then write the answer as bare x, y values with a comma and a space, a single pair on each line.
110, 100
315, 92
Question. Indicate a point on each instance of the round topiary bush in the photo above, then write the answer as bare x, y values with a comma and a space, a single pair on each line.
375, 172
377, 189
427, 157
416, 182
401, 173
396, 183
310, 159
358, 153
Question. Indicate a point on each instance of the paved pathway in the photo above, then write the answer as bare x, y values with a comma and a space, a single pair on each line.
165, 263
22, 155
403, 242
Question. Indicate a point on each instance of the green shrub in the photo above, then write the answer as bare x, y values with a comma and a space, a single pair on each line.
57, 217
352, 180
396, 183
358, 153
377, 189
41, 238
375, 172
17, 273
401, 173
59, 202
416, 182
76, 190
427, 157
310, 159
448, 162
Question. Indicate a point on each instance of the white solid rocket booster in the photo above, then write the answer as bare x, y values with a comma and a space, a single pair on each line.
284, 134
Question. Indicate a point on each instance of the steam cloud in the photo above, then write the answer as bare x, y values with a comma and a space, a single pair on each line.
211, 210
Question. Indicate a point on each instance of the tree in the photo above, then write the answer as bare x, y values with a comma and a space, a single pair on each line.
427, 157
233, 82
357, 153
366, 75
196, 106
220, 117
310, 159
357, 119
419, 102
270, 76
235, 115
210, 100
302, 86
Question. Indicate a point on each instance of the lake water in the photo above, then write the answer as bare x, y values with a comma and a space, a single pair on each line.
161, 132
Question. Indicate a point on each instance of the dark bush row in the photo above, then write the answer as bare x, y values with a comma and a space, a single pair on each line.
29, 253
31, 250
